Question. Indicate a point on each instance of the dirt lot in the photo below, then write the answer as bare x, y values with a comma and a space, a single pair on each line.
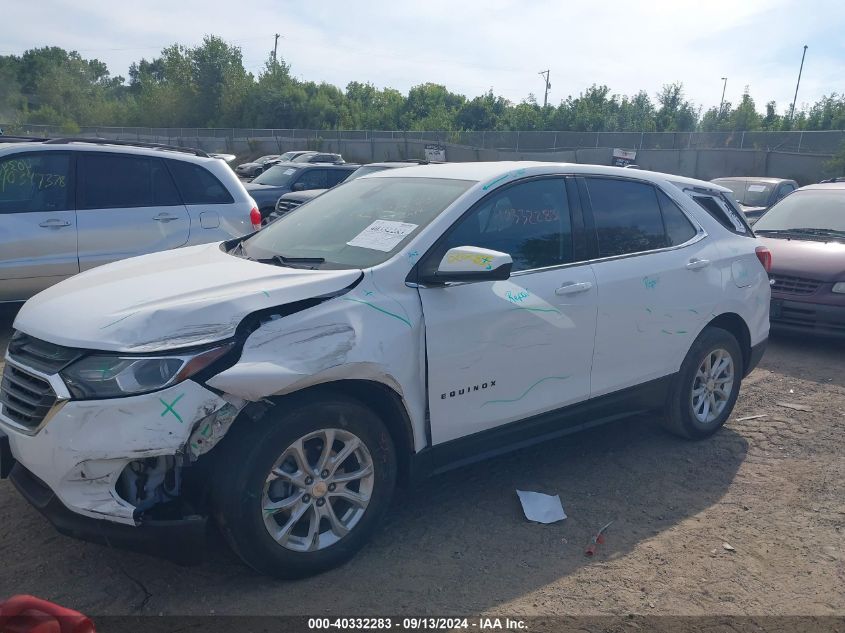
771, 488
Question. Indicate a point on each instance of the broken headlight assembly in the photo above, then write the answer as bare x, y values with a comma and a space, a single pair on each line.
115, 375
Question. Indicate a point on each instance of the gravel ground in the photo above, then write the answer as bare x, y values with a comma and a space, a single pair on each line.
749, 521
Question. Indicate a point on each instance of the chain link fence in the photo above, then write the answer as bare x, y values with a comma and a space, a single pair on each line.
218, 139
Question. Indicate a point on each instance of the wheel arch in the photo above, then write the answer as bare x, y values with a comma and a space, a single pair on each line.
736, 325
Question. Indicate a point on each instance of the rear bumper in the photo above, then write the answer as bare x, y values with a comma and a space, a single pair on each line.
182, 541
807, 318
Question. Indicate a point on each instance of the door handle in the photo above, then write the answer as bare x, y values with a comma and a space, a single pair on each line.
54, 223
165, 217
697, 264
571, 288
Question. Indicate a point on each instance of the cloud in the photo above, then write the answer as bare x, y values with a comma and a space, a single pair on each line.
474, 46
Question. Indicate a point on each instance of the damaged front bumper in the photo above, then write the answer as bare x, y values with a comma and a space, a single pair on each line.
113, 470
180, 540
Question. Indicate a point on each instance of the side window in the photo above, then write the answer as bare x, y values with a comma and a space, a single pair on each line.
313, 179
724, 211
197, 185
529, 221
627, 216
783, 190
35, 182
337, 176
678, 227
115, 181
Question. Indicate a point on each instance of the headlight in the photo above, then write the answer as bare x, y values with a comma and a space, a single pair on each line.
839, 287
111, 375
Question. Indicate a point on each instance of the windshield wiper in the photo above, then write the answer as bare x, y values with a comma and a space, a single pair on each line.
299, 260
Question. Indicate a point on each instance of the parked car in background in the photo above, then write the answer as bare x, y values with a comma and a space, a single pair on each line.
252, 169
267, 188
285, 158
68, 205
289, 201
756, 195
806, 235
413, 321
318, 157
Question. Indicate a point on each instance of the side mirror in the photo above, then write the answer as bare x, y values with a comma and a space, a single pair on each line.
470, 263
298, 186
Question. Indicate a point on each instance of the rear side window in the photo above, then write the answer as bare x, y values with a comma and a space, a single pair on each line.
197, 185
114, 181
627, 216
678, 228
35, 182
723, 211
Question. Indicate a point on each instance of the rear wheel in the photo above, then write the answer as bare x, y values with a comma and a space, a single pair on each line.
304, 491
706, 388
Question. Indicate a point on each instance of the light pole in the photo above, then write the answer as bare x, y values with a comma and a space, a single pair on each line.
722, 102
545, 75
795, 98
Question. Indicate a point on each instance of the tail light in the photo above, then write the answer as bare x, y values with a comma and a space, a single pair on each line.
255, 218
765, 257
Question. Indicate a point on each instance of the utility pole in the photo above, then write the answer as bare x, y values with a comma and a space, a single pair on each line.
545, 75
795, 98
276, 50
722, 102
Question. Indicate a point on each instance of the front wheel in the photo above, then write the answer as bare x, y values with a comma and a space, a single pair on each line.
303, 491
706, 388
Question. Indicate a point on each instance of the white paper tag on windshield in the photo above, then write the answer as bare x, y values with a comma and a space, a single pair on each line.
288, 172
756, 187
382, 235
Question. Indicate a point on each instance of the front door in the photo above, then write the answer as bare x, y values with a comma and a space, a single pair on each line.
126, 205
37, 223
500, 351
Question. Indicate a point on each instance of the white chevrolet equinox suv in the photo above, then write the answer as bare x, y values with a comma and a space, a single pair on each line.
400, 324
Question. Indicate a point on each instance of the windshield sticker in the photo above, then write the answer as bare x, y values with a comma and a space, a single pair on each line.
756, 187
382, 235
288, 172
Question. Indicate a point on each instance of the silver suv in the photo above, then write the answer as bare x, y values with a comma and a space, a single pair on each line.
67, 205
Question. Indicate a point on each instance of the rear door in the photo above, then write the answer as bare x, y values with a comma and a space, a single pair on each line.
314, 178
37, 223
657, 281
501, 351
127, 205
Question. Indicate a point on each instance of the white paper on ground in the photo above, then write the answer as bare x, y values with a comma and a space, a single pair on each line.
382, 235
541, 508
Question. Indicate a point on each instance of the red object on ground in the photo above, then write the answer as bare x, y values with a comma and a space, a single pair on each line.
28, 614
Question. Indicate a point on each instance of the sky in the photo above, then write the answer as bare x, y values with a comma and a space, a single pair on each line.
472, 46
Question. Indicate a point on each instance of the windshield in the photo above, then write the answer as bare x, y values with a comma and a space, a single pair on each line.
360, 224
366, 169
749, 193
277, 175
818, 209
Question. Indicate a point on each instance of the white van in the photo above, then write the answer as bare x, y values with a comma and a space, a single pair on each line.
402, 324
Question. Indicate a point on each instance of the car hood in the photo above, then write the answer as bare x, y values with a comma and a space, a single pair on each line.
304, 195
178, 298
247, 165
813, 259
265, 193
746, 209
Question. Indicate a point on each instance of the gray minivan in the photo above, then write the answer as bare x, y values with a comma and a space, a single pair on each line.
68, 205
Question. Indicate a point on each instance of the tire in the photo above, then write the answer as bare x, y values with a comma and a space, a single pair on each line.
682, 416
247, 496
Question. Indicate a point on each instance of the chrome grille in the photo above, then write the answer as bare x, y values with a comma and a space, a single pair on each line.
286, 206
794, 285
25, 398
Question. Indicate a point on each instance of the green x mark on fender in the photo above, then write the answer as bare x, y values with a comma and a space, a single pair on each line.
169, 407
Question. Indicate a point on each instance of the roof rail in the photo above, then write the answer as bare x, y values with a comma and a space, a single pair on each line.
20, 139
105, 141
